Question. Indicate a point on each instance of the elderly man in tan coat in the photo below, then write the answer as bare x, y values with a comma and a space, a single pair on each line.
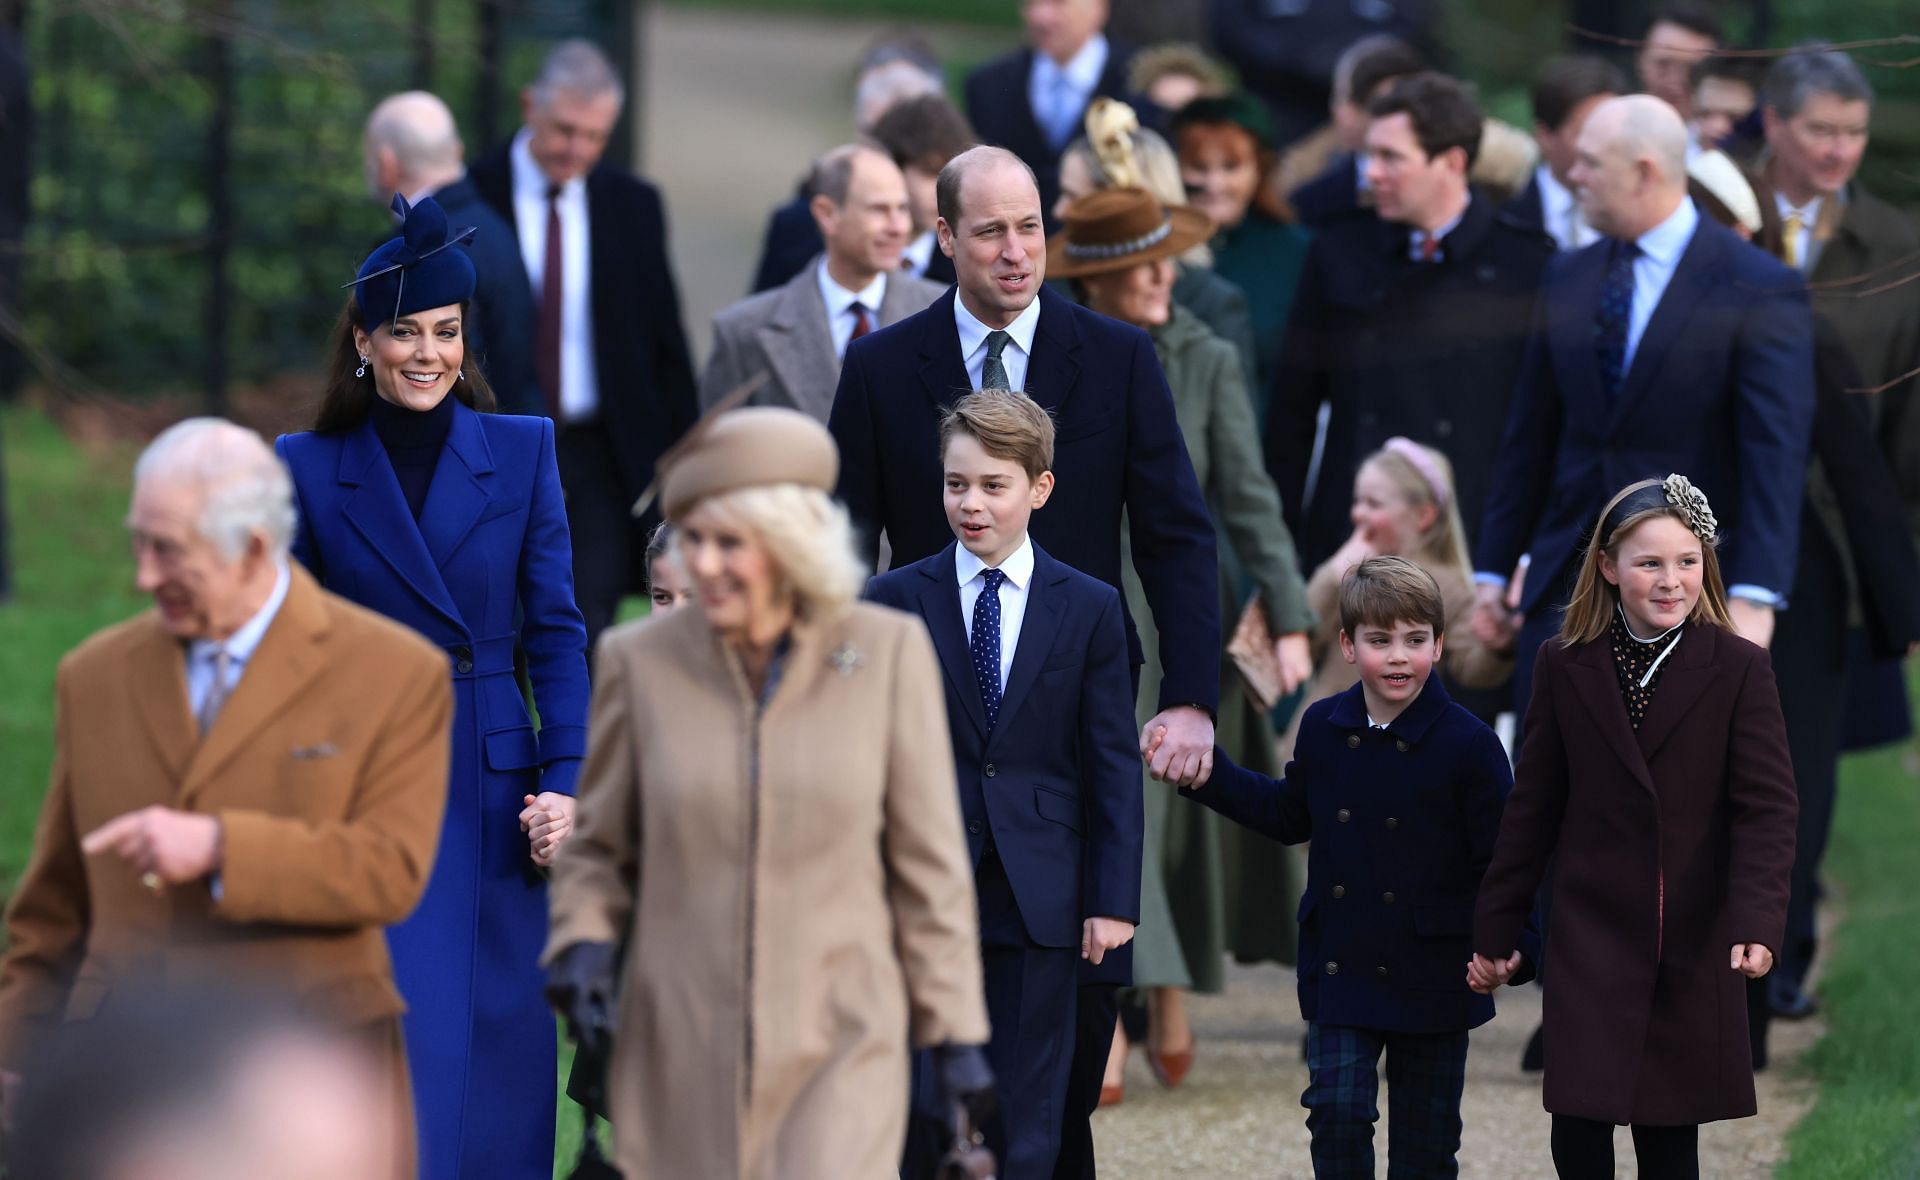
247, 779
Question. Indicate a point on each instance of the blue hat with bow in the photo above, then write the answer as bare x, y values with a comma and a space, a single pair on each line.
417, 270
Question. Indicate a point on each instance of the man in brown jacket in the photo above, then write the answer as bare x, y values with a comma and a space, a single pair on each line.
247, 781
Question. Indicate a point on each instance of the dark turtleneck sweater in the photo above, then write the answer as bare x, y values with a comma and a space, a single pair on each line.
413, 439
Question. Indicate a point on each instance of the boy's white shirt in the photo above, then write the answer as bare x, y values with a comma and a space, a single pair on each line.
1013, 595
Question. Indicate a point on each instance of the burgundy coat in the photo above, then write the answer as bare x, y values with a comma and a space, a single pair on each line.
1672, 843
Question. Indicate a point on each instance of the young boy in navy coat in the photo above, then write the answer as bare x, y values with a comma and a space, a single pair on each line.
1040, 705
1400, 792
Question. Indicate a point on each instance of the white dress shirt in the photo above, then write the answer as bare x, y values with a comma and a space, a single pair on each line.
970, 571
579, 373
240, 646
1050, 84
1800, 245
918, 255
1560, 209
840, 315
1660, 251
1019, 350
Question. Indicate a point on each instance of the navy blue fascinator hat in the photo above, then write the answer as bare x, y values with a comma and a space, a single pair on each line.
417, 270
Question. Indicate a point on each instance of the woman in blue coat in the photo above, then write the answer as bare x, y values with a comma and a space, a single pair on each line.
418, 503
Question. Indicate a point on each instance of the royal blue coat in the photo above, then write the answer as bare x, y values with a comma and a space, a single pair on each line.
1403, 822
487, 567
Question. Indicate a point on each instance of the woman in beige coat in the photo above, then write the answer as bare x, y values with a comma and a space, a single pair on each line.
768, 820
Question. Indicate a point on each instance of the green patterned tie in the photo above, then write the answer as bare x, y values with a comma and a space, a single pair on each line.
993, 375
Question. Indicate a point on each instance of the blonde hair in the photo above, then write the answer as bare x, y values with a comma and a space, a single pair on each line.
808, 535
1135, 157
1590, 611
1007, 425
1444, 542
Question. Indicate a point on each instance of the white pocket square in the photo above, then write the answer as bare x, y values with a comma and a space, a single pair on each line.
309, 753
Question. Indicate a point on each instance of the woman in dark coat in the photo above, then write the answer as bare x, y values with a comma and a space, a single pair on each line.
1655, 777
415, 504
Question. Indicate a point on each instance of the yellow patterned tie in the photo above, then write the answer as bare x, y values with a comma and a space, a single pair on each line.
1790, 228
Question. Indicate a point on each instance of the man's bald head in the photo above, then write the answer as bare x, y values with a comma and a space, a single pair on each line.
1630, 168
992, 165
412, 143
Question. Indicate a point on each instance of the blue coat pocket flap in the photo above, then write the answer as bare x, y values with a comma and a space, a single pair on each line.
1061, 809
512, 749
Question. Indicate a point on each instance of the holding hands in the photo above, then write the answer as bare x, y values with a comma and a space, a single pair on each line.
548, 821
1178, 746
1484, 974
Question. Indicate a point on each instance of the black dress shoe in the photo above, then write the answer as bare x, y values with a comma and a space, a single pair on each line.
1535, 1058
1790, 1003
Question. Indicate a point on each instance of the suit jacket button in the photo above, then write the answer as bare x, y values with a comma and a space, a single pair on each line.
1353, 741
464, 666
1381, 970
1343, 815
1333, 968
1401, 745
974, 828
1387, 897
991, 771
1339, 890
1392, 822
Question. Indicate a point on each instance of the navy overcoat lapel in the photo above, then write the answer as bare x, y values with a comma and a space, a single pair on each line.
940, 607
1053, 371
1692, 283
1572, 308
943, 371
378, 510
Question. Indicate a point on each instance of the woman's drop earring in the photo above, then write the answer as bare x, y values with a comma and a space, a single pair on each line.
362, 370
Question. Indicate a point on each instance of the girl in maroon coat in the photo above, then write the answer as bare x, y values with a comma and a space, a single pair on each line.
1654, 776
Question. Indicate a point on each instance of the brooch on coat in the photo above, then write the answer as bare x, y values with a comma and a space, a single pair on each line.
845, 660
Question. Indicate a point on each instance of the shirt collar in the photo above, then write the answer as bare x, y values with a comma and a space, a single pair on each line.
839, 299
1082, 70
1018, 566
1809, 212
973, 333
527, 177
1440, 235
1554, 196
920, 250
241, 644
1350, 710
1664, 243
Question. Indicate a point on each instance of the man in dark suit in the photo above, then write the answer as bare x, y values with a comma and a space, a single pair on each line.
1365, 71
1412, 323
896, 68
1669, 346
609, 351
1844, 239
1033, 101
1120, 451
413, 148
1566, 91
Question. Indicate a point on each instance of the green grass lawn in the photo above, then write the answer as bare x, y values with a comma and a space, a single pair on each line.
73, 575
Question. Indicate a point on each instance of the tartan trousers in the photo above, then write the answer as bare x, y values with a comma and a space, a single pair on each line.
1426, 1073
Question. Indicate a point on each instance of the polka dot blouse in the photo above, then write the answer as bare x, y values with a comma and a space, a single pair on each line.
1631, 659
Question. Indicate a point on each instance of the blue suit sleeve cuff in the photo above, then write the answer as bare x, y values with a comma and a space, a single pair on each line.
1486, 579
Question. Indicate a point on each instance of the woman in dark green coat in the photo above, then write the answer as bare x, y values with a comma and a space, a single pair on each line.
1118, 248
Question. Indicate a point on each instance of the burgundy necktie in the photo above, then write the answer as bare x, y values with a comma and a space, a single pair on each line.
1429, 248
547, 333
862, 322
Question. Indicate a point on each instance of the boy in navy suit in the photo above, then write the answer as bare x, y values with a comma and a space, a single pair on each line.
1040, 705
1400, 792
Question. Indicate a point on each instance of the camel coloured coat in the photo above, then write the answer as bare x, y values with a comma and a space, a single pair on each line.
792, 882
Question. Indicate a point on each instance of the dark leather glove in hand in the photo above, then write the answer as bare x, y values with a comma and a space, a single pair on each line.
580, 987
963, 1076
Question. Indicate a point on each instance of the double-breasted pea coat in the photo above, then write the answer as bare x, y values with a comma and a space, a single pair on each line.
1671, 843
486, 568
793, 884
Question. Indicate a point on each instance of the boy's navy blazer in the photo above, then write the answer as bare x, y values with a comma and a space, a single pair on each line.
1056, 783
1720, 389
1117, 447
1402, 823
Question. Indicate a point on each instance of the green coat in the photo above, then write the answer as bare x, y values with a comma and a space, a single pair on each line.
1209, 886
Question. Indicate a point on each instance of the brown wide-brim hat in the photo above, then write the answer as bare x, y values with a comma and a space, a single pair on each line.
744, 448
1115, 228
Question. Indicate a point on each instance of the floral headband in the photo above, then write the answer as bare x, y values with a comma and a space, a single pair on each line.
1675, 491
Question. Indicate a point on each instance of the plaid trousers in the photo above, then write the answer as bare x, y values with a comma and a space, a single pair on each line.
1426, 1073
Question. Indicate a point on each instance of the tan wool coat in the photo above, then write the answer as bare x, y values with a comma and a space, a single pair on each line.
327, 769
793, 887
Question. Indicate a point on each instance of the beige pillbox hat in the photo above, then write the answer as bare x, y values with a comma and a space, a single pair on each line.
744, 448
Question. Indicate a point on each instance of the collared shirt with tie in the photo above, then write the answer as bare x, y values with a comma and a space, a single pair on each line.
1798, 236
1016, 350
541, 214
1560, 210
1423, 246
850, 314
994, 646
1059, 94
214, 668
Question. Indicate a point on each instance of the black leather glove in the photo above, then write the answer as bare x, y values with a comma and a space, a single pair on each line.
580, 987
963, 1077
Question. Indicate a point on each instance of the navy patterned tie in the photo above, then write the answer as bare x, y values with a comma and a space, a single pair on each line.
1615, 313
985, 642
993, 374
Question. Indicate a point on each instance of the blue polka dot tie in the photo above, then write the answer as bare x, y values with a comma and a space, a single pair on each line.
985, 642
1611, 320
